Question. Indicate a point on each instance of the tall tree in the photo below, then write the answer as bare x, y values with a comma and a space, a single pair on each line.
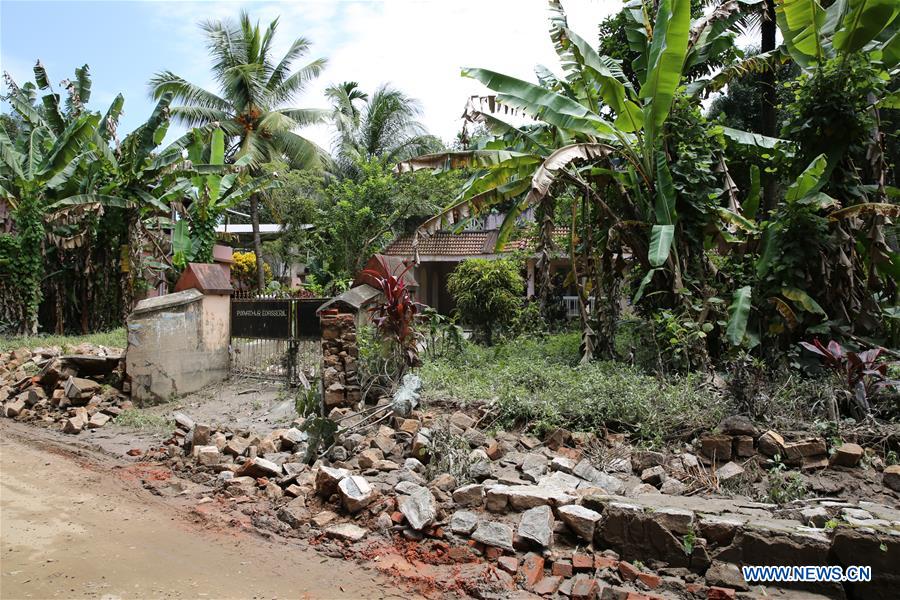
251, 107
768, 96
384, 125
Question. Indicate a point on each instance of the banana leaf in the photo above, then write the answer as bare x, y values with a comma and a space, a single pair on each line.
739, 313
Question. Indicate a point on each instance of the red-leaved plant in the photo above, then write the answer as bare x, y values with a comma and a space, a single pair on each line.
864, 373
395, 316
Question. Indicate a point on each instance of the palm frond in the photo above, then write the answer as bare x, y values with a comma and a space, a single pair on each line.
185, 91
296, 82
298, 48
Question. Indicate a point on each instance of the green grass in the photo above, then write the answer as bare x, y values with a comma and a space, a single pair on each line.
539, 382
115, 338
142, 419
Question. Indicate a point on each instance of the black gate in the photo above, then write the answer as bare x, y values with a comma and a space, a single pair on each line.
275, 338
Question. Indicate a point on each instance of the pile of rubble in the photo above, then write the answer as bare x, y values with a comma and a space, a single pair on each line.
76, 391
557, 517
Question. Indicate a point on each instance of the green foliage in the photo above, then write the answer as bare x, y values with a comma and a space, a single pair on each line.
829, 114
784, 486
144, 419
111, 339
351, 217
382, 126
488, 293
538, 382
680, 340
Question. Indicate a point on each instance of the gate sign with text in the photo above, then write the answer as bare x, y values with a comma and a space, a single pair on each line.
266, 319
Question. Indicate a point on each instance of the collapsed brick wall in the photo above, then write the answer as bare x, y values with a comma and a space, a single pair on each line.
339, 359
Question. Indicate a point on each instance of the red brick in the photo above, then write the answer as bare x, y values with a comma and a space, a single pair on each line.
510, 564
563, 568
548, 585
494, 450
652, 581
570, 453
532, 569
582, 561
719, 593
628, 571
493, 552
584, 588
397, 517
694, 588
605, 562
636, 596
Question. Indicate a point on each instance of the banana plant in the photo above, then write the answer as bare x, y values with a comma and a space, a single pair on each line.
44, 163
813, 34
591, 124
30, 176
214, 188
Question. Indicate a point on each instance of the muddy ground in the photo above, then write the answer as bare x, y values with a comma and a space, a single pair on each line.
240, 403
78, 523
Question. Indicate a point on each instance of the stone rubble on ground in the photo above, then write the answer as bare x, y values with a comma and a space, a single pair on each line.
559, 523
82, 390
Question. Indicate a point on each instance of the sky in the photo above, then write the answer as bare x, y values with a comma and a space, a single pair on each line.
418, 46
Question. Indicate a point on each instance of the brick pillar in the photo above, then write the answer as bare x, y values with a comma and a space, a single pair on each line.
339, 359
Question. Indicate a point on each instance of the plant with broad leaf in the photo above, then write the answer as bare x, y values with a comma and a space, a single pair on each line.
396, 314
865, 374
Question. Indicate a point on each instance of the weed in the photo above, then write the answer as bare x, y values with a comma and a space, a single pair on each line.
308, 401
113, 339
784, 487
449, 454
540, 383
688, 542
831, 524
137, 418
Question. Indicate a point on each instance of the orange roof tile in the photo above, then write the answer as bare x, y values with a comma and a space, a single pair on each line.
467, 243
443, 243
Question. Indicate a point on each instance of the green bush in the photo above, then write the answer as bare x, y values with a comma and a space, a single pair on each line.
539, 383
488, 294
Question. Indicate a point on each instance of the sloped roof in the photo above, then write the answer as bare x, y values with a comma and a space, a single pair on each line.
444, 243
468, 243
560, 236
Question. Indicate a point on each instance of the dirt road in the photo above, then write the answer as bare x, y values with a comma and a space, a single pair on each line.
71, 528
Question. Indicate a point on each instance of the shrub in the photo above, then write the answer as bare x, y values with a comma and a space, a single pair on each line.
243, 271
394, 316
488, 294
540, 384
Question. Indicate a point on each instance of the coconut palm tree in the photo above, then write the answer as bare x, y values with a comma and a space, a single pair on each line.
383, 125
252, 104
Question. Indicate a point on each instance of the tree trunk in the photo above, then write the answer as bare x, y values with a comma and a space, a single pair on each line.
257, 243
768, 100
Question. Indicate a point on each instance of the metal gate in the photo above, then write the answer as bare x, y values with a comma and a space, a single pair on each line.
276, 338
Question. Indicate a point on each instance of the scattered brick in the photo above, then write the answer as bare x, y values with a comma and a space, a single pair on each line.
584, 588
563, 568
650, 580
548, 585
510, 564
582, 561
628, 571
532, 569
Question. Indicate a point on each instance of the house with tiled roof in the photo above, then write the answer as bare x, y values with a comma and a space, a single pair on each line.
438, 255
